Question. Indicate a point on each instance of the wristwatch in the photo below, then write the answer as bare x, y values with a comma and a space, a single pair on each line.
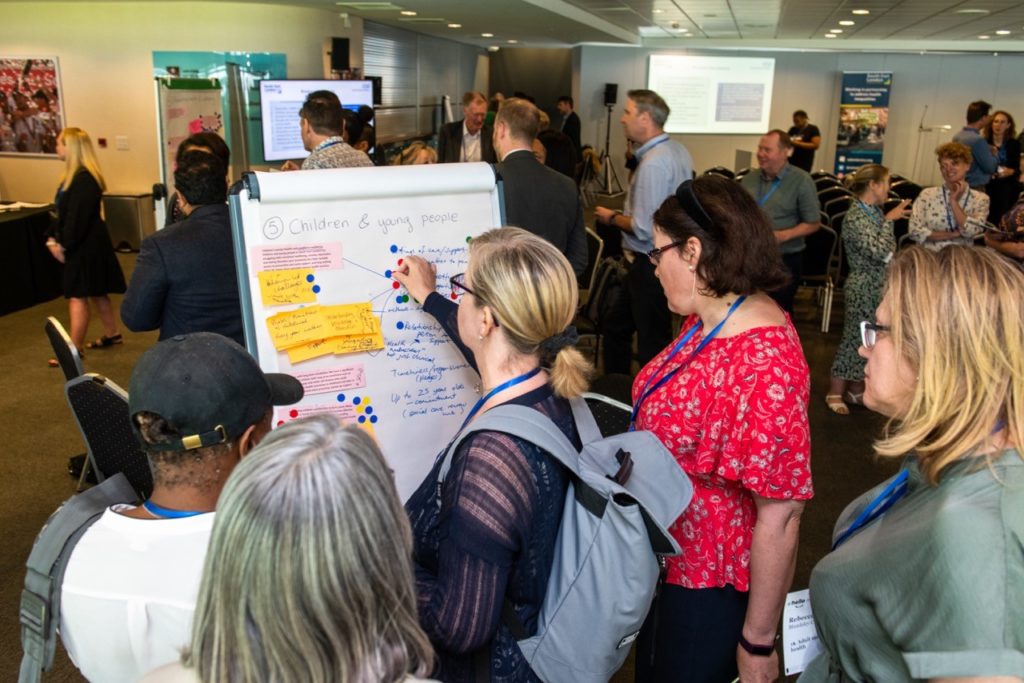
757, 650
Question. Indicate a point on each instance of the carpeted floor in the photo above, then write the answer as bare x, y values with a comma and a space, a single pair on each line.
39, 434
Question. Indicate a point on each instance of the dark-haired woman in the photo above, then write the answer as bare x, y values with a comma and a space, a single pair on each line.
869, 241
1004, 188
729, 399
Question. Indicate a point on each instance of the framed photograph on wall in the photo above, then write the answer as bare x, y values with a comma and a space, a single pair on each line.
31, 106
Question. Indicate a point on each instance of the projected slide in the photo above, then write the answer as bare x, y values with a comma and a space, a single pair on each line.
280, 102
714, 94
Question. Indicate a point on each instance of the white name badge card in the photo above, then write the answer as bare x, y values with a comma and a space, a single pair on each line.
799, 638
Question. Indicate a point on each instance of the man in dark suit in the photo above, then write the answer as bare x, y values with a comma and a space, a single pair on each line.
570, 121
537, 198
185, 278
468, 139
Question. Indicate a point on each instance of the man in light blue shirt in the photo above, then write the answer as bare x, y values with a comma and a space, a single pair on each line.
663, 165
984, 162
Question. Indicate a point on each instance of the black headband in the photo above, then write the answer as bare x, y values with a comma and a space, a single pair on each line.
692, 206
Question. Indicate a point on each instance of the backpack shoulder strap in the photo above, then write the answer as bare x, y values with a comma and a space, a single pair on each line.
525, 423
40, 599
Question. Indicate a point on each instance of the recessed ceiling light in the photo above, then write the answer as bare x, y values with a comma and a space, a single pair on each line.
984, 37
862, 12
512, 42
454, 25
407, 13
831, 35
835, 30
847, 22
1003, 33
971, 11
658, 11
493, 48
486, 35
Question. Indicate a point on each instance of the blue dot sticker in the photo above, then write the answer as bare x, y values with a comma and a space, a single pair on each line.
400, 326
356, 401
369, 410
394, 248
316, 289
362, 419
387, 273
341, 398
310, 278
373, 419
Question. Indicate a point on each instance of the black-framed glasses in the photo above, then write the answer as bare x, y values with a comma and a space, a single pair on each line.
869, 333
655, 254
458, 283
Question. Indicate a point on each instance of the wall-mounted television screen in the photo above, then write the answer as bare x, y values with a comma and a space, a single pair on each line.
280, 102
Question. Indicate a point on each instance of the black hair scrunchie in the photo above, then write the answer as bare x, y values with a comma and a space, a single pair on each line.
555, 343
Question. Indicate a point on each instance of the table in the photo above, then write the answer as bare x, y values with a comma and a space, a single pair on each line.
29, 275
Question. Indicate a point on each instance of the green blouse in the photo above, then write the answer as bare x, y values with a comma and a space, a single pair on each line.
934, 587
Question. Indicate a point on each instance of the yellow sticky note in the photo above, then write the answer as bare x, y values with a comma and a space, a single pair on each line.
294, 328
315, 349
349, 319
279, 287
355, 343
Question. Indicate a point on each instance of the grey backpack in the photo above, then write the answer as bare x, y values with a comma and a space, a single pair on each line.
40, 599
624, 493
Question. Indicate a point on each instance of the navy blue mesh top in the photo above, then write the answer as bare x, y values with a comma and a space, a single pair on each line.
491, 537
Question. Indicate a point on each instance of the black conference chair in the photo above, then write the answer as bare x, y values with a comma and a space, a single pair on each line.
612, 416
722, 171
904, 189
67, 355
836, 205
740, 173
818, 259
830, 193
595, 247
101, 409
827, 182
823, 174
608, 282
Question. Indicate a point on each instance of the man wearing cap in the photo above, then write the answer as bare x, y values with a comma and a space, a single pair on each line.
198, 403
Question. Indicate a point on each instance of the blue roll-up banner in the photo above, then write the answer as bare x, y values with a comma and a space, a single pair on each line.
863, 117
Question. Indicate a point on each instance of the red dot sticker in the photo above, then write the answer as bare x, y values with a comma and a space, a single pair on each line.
395, 285
280, 422
454, 296
400, 261
293, 413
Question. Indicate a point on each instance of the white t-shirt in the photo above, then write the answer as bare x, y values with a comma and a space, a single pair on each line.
129, 593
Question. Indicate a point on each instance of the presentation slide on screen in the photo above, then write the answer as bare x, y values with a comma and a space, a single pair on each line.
280, 102
714, 94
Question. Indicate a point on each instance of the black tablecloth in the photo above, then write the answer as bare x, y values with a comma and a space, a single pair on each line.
28, 273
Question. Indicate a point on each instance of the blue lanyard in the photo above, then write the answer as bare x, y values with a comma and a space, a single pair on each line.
323, 146
159, 511
645, 393
775, 185
497, 390
950, 220
876, 508
873, 210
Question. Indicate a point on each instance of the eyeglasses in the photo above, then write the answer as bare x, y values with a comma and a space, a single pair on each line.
869, 333
655, 254
458, 282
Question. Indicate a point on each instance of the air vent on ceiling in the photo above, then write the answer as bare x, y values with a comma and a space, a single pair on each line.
424, 20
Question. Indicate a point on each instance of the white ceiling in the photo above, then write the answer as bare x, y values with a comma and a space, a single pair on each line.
892, 25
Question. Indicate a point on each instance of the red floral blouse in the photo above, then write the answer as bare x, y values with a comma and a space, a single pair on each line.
736, 421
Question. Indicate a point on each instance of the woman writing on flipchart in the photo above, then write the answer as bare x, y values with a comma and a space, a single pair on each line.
487, 533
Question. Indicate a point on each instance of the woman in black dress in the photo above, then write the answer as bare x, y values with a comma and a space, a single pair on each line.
1004, 187
81, 241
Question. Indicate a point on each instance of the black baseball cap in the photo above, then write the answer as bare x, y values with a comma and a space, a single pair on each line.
206, 387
